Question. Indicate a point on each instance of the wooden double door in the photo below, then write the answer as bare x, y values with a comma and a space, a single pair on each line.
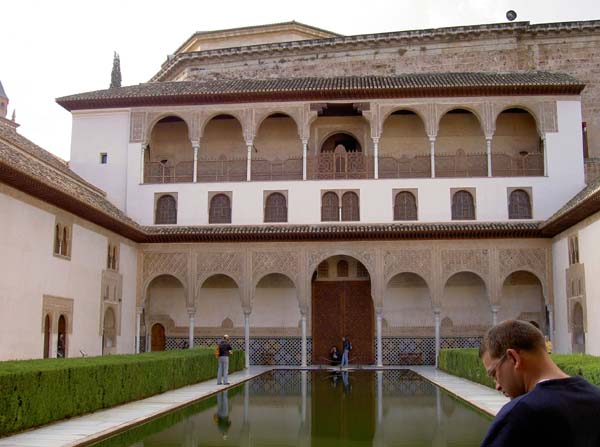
342, 308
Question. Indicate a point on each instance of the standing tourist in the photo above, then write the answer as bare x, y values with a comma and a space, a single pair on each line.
346, 348
223, 368
547, 407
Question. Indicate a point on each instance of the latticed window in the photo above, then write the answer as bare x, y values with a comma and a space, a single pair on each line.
573, 250
330, 207
342, 269
519, 205
361, 270
64, 246
405, 206
323, 270
463, 207
57, 240
350, 209
166, 210
220, 209
276, 208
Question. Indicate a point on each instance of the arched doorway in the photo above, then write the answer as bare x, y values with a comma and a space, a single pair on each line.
158, 337
466, 309
522, 299
47, 336
109, 339
578, 329
61, 343
166, 304
342, 306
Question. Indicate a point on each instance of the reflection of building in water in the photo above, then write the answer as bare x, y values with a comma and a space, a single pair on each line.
254, 188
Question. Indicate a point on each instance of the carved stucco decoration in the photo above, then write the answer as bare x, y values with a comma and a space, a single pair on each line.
156, 264
543, 112
475, 261
266, 262
532, 260
137, 125
225, 263
413, 261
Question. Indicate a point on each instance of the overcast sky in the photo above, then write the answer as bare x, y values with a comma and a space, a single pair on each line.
55, 48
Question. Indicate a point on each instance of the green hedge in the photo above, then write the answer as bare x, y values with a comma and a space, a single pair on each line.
466, 363
35, 392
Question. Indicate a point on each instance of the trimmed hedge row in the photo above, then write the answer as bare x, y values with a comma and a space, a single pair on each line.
466, 363
35, 392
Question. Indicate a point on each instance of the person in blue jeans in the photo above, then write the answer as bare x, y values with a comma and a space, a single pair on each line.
346, 348
223, 361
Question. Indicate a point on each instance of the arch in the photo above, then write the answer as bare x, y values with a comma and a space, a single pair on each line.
220, 209
329, 142
157, 119
330, 207
276, 301
463, 205
414, 110
156, 275
466, 302
523, 107
578, 344
276, 209
218, 297
406, 271
537, 275
522, 298
466, 108
408, 301
350, 207
405, 206
268, 114
166, 210
323, 256
519, 205
61, 341
109, 327
274, 271
233, 114
47, 336
158, 337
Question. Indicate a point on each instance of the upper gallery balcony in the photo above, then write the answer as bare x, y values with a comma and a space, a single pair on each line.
339, 146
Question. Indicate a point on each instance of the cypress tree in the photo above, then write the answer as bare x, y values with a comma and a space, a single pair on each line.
115, 76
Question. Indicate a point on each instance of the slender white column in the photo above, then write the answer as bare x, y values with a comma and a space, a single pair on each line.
379, 341
437, 319
376, 158
196, 147
138, 328
191, 331
53, 348
432, 154
304, 157
551, 322
303, 321
247, 337
488, 144
495, 310
249, 161
142, 157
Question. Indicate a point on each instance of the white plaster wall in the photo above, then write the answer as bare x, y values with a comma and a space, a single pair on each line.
407, 305
128, 269
102, 131
465, 301
275, 307
30, 271
167, 298
219, 298
588, 233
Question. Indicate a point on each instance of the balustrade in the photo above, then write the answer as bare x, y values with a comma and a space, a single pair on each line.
157, 172
329, 166
405, 166
288, 169
506, 165
461, 164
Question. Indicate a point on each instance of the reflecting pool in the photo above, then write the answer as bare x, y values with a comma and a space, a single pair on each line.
318, 408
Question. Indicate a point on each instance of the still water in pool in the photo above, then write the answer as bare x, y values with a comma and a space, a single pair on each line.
319, 408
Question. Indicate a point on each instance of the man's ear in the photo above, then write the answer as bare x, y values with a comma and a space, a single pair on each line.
515, 357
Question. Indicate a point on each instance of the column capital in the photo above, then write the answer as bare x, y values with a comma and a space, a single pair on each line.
432, 138
496, 308
437, 311
304, 141
195, 145
250, 142
191, 311
375, 139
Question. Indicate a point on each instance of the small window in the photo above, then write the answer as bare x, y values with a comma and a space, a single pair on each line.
573, 250
103, 158
220, 209
342, 269
519, 205
463, 207
405, 206
350, 207
166, 210
62, 239
330, 208
323, 270
276, 208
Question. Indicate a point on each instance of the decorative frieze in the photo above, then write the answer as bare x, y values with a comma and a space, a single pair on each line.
418, 261
175, 264
475, 260
227, 263
284, 262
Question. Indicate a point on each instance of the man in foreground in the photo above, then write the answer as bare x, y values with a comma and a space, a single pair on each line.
548, 407
223, 367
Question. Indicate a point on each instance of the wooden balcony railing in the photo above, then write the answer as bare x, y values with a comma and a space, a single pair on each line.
506, 165
157, 172
221, 170
404, 166
461, 164
349, 165
289, 169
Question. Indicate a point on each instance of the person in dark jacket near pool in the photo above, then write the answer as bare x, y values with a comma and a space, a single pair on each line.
223, 361
548, 407
346, 348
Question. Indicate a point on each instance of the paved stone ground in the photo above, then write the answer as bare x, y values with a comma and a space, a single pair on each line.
100, 424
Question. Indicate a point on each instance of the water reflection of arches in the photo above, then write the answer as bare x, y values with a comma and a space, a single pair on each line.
342, 306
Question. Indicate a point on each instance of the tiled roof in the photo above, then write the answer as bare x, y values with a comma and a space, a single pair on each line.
582, 205
409, 85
